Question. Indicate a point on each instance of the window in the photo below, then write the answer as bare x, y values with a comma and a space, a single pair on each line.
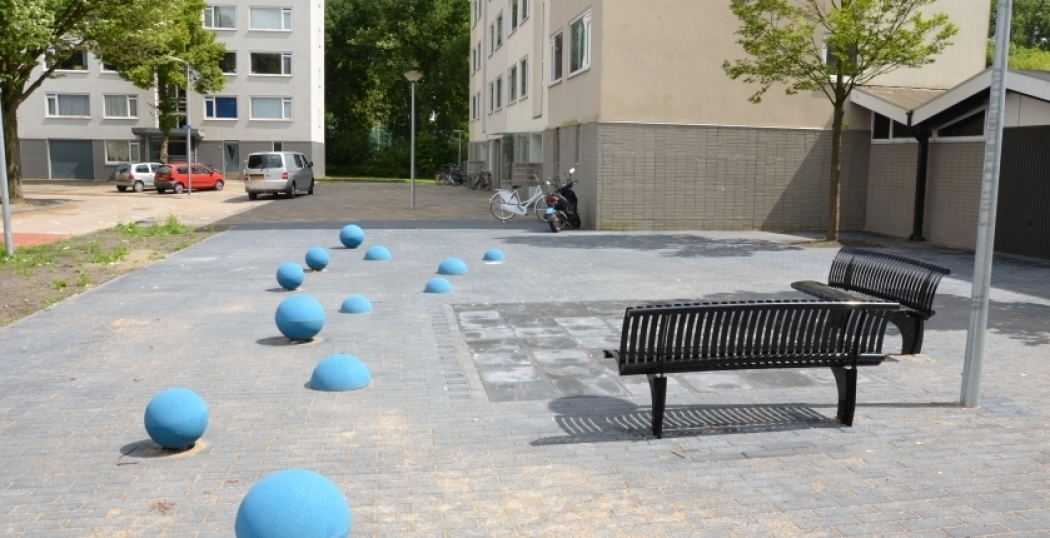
512, 84
270, 18
122, 151
473, 107
477, 57
278, 146
580, 44
524, 9
220, 108
228, 64
271, 108
883, 128
492, 38
76, 62
108, 68
271, 63
556, 57
61, 105
499, 30
477, 10
513, 15
832, 60
220, 17
524, 77
479, 105
499, 93
121, 106
969, 126
492, 97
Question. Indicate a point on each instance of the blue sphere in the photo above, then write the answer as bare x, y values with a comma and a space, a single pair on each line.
452, 266
493, 255
340, 372
317, 258
351, 236
290, 276
293, 502
438, 285
356, 304
176, 418
299, 317
377, 253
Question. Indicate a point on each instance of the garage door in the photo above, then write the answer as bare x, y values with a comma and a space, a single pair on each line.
1022, 224
71, 159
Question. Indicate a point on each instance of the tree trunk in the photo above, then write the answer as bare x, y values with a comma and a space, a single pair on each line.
12, 148
164, 146
834, 210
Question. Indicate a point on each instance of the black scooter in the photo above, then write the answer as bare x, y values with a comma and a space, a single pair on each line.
562, 207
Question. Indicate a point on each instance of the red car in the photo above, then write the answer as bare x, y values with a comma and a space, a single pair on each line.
173, 177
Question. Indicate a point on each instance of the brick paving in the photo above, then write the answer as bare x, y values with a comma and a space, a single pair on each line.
442, 444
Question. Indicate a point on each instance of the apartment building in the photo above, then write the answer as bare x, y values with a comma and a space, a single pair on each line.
81, 124
635, 98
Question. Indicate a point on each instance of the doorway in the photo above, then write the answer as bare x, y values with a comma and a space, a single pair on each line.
231, 155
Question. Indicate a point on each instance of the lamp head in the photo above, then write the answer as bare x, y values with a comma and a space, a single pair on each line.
413, 76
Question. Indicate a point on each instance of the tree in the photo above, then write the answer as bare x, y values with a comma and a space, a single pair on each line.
152, 62
55, 30
1029, 35
785, 42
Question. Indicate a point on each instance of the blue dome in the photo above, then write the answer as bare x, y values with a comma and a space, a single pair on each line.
438, 285
317, 258
493, 255
340, 372
351, 236
452, 266
293, 502
356, 304
176, 418
377, 253
290, 276
300, 317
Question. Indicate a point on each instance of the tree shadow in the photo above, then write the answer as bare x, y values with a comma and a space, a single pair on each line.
678, 245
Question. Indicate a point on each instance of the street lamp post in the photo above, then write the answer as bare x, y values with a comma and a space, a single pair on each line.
459, 150
413, 77
9, 242
189, 130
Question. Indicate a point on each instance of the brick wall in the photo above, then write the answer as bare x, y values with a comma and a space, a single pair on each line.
953, 194
891, 188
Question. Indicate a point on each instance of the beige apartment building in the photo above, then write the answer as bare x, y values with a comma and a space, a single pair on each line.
633, 96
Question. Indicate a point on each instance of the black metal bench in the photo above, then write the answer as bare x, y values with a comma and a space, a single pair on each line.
704, 337
858, 274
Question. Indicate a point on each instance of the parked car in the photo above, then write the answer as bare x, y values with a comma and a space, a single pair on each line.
138, 176
173, 177
276, 172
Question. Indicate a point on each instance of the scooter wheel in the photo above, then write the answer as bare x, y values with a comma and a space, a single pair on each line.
555, 223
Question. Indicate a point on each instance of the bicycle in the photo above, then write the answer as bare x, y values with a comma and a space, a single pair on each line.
482, 182
506, 203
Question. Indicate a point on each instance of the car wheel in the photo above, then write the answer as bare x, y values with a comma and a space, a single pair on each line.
219, 185
138, 186
311, 191
291, 190
253, 196
160, 191
178, 188
122, 189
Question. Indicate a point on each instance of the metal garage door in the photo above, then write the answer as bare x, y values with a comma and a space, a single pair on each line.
71, 159
1022, 224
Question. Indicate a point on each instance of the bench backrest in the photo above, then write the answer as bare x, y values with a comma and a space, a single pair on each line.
748, 335
912, 283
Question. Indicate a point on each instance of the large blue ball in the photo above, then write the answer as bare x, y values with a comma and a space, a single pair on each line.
293, 502
438, 285
452, 266
300, 317
351, 236
340, 372
317, 258
356, 304
377, 253
493, 255
176, 418
290, 276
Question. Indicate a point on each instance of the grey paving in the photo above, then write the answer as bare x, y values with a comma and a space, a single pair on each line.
490, 413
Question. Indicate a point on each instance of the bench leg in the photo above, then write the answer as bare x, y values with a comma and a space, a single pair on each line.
846, 380
912, 329
658, 388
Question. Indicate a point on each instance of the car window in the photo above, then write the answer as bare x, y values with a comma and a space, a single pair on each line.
144, 168
181, 170
265, 160
164, 169
154, 167
197, 169
301, 160
123, 168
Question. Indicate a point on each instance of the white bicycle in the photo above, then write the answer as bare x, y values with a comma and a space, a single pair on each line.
506, 203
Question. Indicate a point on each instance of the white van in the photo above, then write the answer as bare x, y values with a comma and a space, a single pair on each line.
277, 172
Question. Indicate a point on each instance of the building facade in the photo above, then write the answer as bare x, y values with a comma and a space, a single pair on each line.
81, 124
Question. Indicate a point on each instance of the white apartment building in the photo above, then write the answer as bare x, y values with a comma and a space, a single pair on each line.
83, 123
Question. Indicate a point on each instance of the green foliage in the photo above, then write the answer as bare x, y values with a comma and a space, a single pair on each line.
370, 44
1023, 58
1029, 25
171, 226
98, 255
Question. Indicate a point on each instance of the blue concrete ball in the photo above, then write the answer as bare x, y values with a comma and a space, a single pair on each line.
317, 258
340, 372
176, 418
377, 253
351, 236
452, 266
290, 276
293, 502
438, 285
493, 255
356, 304
299, 317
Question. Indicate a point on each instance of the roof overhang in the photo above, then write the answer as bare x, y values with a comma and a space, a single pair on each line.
147, 132
877, 104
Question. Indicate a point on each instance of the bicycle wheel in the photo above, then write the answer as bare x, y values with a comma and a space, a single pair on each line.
541, 208
498, 211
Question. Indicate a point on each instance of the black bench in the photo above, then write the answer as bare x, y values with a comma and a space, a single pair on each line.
858, 274
704, 337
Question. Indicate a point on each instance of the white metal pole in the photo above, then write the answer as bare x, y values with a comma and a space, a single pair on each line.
982, 271
9, 242
189, 139
412, 161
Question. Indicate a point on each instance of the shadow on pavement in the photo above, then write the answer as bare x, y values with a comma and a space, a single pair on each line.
682, 245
